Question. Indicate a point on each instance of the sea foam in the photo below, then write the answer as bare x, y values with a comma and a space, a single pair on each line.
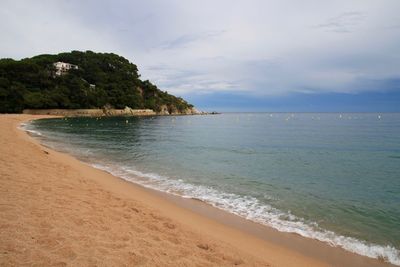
252, 209
27, 128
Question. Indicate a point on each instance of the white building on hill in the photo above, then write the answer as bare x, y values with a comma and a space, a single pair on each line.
62, 67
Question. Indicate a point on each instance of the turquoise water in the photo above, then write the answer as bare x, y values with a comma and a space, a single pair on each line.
332, 177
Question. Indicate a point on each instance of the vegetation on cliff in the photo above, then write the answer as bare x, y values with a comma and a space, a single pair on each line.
100, 79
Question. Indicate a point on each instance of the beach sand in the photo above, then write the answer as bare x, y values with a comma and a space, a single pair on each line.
58, 211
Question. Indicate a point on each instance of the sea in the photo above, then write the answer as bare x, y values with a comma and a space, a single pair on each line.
334, 177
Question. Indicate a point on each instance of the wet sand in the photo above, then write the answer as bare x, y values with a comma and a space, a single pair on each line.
58, 211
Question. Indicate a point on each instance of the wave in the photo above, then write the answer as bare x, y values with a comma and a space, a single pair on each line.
252, 209
27, 128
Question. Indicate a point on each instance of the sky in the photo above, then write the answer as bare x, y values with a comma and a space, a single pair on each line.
236, 55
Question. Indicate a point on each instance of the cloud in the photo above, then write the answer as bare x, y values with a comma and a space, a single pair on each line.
344, 23
26, 33
258, 47
187, 39
392, 27
180, 81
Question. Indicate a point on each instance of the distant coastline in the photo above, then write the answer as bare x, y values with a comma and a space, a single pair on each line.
110, 112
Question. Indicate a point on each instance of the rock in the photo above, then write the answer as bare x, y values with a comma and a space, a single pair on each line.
163, 110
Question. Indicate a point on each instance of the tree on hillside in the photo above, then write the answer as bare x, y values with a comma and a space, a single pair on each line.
100, 79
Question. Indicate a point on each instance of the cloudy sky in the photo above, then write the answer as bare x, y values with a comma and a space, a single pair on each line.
253, 55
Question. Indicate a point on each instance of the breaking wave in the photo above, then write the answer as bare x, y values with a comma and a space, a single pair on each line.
252, 209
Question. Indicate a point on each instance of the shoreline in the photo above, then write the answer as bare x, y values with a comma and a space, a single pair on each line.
252, 241
97, 112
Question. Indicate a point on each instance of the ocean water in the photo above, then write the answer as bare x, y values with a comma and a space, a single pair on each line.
331, 177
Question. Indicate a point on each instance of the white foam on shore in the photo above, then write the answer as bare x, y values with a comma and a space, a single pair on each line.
26, 127
252, 209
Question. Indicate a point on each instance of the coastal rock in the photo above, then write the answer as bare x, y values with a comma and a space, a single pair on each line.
163, 110
128, 110
109, 111
105, 111
192, 111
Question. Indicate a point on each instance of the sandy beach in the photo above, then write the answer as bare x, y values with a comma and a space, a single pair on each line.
58, 211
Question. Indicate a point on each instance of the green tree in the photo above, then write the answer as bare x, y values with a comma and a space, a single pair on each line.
101, 78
